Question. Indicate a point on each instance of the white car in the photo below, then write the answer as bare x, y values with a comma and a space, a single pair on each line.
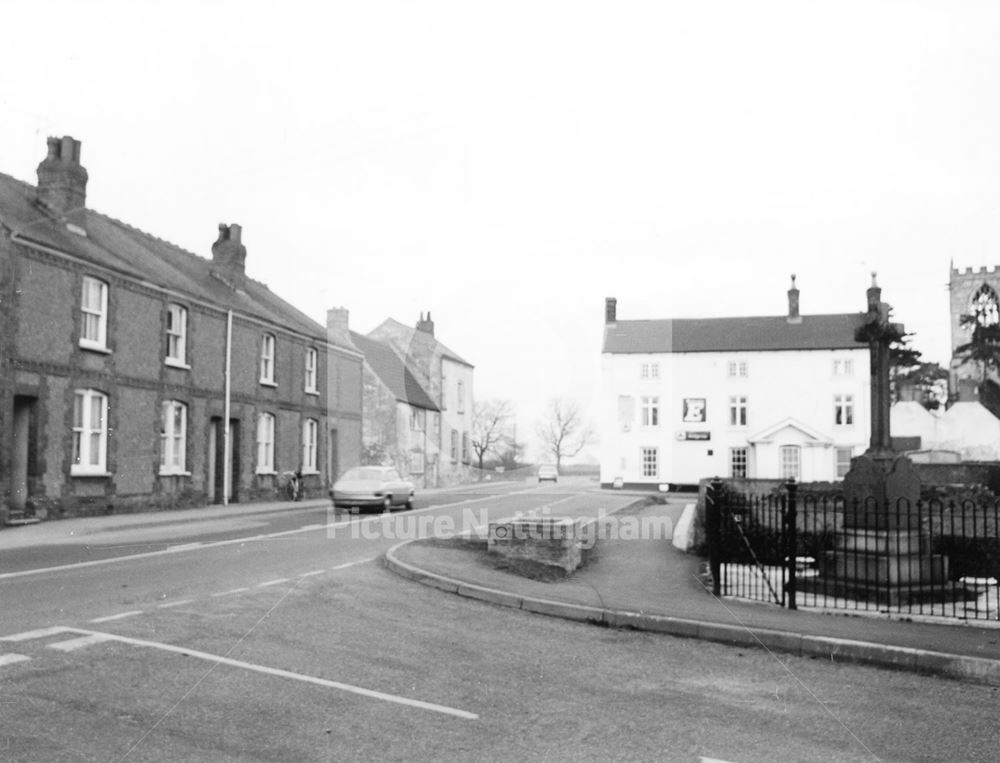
372, 487
548, 473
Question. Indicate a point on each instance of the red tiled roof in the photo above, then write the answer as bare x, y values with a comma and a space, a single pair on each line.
766, 333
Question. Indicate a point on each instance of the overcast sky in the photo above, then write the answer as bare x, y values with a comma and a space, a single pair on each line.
508, 165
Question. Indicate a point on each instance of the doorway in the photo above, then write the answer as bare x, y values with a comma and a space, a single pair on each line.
216, 477
332, 458
24, 461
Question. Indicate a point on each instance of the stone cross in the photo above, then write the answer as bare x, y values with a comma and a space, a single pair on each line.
879, 332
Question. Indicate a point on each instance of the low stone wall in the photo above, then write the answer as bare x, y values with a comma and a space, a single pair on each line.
558, 545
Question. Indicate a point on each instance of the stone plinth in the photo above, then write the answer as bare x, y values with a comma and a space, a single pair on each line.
883, 553
559, 543
880, 492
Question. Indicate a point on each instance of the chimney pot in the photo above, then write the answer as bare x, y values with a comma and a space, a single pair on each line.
426, 324
793, 303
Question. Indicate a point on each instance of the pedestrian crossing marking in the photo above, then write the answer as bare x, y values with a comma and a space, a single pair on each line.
11, 659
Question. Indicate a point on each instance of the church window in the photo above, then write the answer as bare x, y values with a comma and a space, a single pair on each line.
985, 307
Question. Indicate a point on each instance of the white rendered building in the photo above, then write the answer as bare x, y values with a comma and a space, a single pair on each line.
760, 397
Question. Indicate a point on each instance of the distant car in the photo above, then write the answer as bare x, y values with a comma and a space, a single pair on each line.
548, 473
372, 487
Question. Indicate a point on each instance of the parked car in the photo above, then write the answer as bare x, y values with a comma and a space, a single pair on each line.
548, 473
372, 487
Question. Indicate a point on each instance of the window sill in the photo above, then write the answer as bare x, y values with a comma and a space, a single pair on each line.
268, 383
175, 474
94, 347
309, 472
98, 475
173, 363
312, 392
271, 473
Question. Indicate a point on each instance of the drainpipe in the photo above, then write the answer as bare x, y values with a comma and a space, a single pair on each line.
226, 459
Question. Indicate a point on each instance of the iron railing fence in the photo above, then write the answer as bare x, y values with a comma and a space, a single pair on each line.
931, 557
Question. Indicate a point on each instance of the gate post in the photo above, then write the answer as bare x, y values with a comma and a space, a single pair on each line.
791, 541
713, 529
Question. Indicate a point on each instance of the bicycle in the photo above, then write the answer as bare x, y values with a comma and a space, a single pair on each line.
292, 485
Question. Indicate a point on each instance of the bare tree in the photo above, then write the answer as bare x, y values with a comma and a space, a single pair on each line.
489, 427
563, 431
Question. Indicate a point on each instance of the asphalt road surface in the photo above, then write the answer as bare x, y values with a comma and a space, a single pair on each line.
279, 636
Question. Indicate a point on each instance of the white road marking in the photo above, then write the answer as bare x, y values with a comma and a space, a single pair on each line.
11, 659
119, 616
79, 643
230, 592
95, 637
279, 581
249, 539
351, 564
310, 574
185, 546
40, 633
177, 603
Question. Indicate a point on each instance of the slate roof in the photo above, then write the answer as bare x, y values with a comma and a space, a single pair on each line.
132, 252
752, 334
410, 332
393, 372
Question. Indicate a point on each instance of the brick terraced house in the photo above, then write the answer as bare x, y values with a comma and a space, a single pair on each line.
135, 375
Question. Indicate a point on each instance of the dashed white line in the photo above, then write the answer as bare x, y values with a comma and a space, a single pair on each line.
119, 616
79, 643
278, 581
310, 574
231, 591
11, 659
178, 603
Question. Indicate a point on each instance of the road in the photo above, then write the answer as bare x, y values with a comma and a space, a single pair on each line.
279, 636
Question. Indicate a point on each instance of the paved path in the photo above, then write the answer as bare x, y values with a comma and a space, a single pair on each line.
650, 585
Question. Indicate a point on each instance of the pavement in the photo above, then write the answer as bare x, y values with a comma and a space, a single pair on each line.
651, 585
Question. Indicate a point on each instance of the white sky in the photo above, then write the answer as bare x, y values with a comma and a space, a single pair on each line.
508, 165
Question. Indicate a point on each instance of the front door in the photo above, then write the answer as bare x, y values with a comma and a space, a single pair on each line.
216, 457
23, 456
234, 460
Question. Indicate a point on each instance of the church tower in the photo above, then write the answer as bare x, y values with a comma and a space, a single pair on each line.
973, 292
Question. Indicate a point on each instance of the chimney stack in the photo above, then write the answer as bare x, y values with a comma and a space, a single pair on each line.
62, 180
793, 303
426, 325
337, 325
610, 310
229, 255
